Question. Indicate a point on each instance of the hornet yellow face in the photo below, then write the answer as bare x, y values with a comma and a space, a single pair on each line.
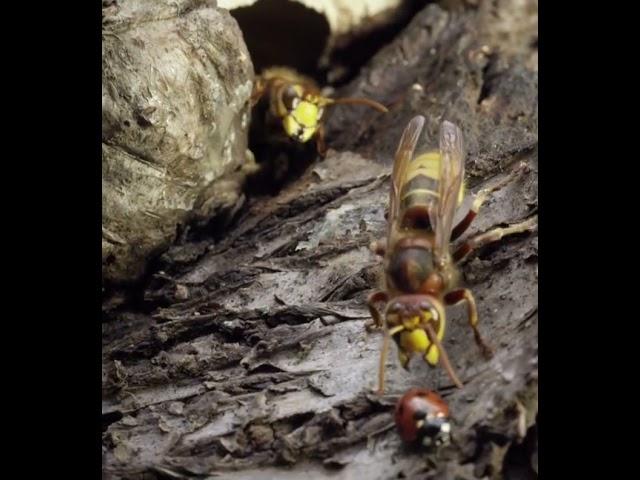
409, 321
301, 123
295, 102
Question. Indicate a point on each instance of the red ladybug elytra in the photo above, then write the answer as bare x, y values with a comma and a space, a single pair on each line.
422, 415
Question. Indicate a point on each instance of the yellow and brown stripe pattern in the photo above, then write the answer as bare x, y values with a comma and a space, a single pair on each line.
420, 190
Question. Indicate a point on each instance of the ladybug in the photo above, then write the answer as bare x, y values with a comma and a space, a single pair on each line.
423, 416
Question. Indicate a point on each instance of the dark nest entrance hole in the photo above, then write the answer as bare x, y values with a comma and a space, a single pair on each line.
287, 33
281, 32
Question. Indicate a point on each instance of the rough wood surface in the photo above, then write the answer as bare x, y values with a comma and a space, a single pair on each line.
249, 358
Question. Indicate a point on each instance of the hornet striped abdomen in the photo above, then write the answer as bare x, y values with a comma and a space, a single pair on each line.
420, 189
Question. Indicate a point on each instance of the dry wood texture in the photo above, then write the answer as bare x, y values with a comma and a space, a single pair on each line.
250, 359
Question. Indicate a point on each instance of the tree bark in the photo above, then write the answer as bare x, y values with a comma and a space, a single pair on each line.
250, 354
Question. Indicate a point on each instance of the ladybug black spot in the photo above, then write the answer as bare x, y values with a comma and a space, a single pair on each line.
431, 430
419, 414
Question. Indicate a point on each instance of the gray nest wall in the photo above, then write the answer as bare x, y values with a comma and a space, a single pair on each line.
176, 79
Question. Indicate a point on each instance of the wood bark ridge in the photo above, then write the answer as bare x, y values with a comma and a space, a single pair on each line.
251, 359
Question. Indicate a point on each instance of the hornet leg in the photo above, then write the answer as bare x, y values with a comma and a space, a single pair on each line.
457, 296
482, 239
375, 313
383, 355
481, 197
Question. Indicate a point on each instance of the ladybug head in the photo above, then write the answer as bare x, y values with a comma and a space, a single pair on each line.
423, 417
433, 429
